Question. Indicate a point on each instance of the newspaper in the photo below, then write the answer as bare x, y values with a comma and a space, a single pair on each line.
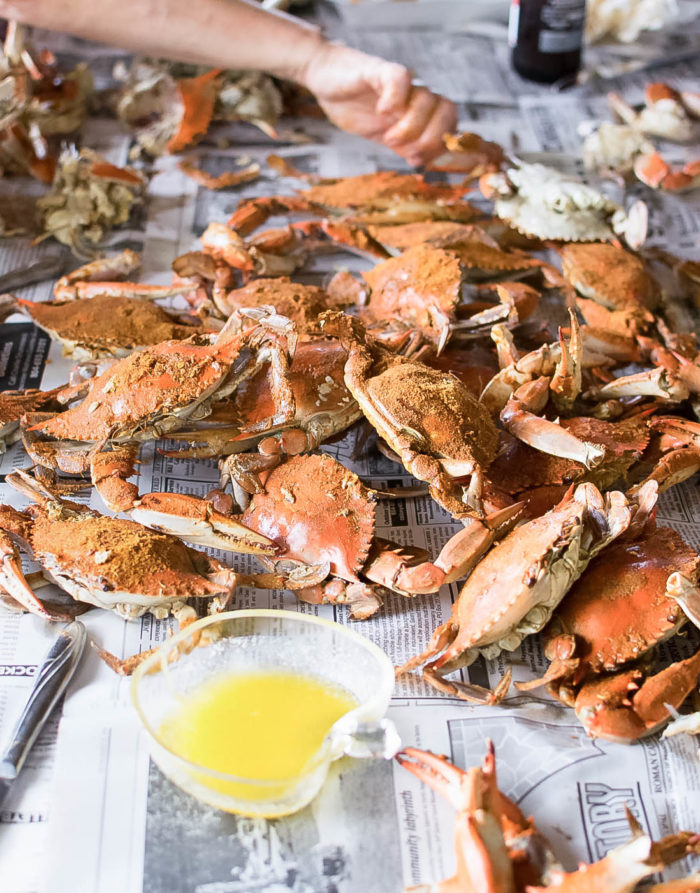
92, 813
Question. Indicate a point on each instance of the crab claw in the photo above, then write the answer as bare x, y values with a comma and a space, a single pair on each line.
197, 521
14, 582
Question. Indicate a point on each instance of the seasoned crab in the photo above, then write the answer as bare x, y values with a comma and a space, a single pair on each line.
320, 513
103, 561
610, 276
106, 325
300, 303
148, 394
431, 421
323, 406
385, 197
514, 589
540, 201
425, 288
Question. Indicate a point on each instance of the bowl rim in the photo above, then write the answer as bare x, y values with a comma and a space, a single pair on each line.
158, 660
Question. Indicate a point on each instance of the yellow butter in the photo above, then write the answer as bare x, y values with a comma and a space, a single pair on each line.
260, 725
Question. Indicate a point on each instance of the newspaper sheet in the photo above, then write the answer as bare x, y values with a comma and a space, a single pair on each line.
92, 813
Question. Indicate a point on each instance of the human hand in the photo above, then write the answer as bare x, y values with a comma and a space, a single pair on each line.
371, 97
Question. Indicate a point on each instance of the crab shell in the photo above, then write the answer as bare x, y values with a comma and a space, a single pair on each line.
105, 325
436, 411
400, 236
317, 511
609, 275
316, 378
300, 303
540, 201
620, 608
115, 564
512, 592
380, 190
154, 390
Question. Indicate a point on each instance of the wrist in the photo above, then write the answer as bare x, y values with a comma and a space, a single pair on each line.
308, 46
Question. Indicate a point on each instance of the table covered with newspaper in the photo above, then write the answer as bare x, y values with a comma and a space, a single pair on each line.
91, 813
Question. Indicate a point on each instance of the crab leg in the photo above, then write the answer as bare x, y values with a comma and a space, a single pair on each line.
483, 863
655, 383
458, 557
626, 706
12, 578
519, 417
117, 267
192, 519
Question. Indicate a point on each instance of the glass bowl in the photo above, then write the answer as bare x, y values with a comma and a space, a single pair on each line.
267, 641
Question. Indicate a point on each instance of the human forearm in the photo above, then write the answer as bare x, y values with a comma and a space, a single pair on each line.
220, 33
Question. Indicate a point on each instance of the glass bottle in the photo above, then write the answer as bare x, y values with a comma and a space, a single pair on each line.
546, 38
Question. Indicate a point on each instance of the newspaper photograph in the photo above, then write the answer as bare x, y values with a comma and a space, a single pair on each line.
92, 813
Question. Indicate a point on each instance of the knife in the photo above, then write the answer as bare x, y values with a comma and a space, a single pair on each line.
51, 681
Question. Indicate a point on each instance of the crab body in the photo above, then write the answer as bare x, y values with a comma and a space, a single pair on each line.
609, 275
623, 605
105, 325
632, 704
382, 198
430, 420
320, 514
540, 201
107, 562
424, 287
514, 589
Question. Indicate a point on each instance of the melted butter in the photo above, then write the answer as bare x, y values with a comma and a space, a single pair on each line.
264, 725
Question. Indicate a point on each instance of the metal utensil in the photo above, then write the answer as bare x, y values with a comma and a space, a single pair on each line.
48, 268
51, 681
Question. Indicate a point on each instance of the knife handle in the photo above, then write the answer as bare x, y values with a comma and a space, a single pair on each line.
50, 683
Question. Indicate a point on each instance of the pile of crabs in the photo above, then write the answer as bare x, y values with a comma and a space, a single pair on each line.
543, 405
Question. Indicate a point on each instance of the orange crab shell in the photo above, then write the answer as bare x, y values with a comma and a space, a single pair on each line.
416, 286
151, 383
448, 420
107, 321
610, 275
300, 303
198, 97
114, 553
317, 511
627, 705
408, 235
363, 190
619, 608
315, 376
519, 467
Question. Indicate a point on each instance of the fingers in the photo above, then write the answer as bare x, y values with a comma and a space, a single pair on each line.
418, 135
394, 89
